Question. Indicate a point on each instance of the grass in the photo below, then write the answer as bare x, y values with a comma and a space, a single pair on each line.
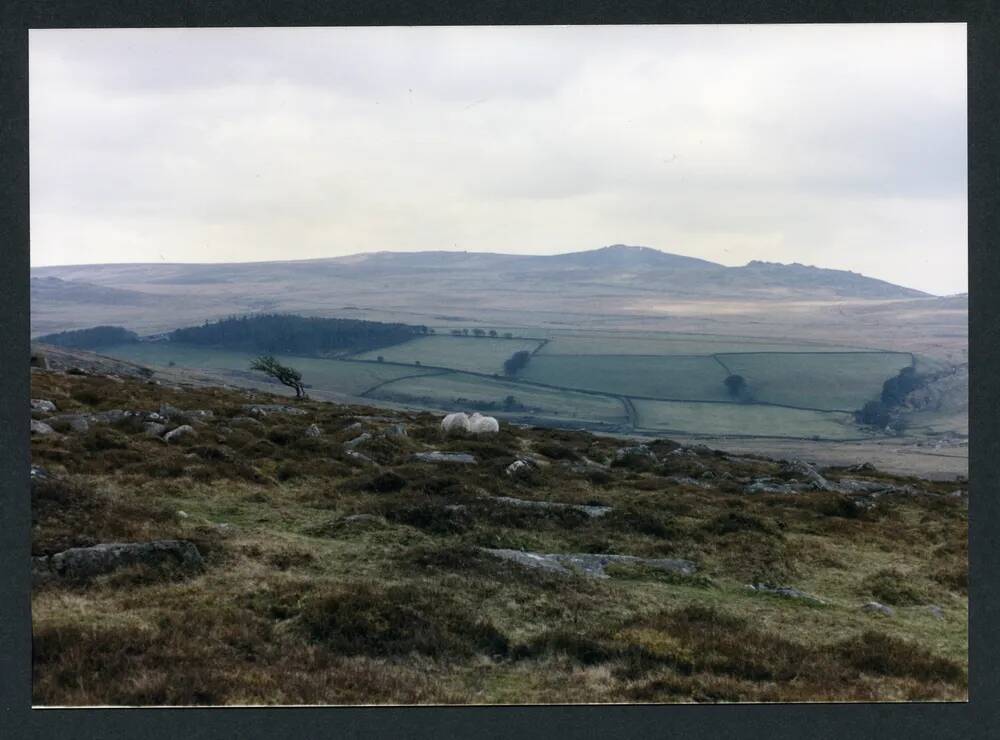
624, 343
475, 354
469, 392
302, 601
750, 420
817, 380
685, 378
349, 378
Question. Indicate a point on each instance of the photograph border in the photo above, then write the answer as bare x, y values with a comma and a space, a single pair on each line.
976, 718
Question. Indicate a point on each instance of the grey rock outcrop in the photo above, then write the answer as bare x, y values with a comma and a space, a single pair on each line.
359, 440
266, 409
874, 607
185, 430
591, 511
42, 405
87, 562
635, 452
785, 591
41, 429
588, 564
313, 431
519, 467
463, 458
153, 429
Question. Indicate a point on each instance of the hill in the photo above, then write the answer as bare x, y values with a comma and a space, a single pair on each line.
222, 547
611, 282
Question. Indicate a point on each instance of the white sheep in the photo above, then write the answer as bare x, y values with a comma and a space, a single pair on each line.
455, 423
479, 424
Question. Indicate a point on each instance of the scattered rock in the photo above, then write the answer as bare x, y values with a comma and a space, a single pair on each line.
864, 467
591, 511
153, 429
767, 485
314, 431
355, 427
857, 485
266, 409
635, 452
39, 473
936, 611
245, 421
86, 562
689, 481
359, 440
803, 468
874, 607
182, 431
169, 411
40, 404
153, 416
519, 467
588, 564
41, 428
530, 560
445, 457
396, 431
79, 424
182, 514
354, 455
785, 591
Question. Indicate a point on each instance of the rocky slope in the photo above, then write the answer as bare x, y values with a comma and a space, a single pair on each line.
201, 545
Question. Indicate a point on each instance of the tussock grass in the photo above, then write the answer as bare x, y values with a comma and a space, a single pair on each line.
301, 601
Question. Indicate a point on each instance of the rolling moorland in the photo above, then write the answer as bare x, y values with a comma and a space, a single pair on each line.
690, 499
626, 340
310, 552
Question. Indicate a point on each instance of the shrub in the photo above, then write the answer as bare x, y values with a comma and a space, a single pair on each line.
360, 620
892, 587
875, 652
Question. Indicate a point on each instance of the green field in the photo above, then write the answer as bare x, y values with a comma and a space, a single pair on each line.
822, 381
479, 393
475, 354
670, 344
721, 419
349, 378
589, 387
685, 378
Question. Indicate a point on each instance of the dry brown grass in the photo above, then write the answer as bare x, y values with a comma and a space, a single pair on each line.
300, 604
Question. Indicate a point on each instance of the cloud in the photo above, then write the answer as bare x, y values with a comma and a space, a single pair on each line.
841, 146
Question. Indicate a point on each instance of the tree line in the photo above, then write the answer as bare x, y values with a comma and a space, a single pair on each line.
297, 335
92, 338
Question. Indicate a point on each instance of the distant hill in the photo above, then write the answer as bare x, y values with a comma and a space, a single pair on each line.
612, 280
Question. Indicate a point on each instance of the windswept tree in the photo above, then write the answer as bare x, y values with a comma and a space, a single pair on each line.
284, 375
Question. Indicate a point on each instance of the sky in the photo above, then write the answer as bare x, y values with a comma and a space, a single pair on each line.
841, 146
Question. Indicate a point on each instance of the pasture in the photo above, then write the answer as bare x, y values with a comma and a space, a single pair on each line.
816, 380
685, 378
475, 393
751, 420
653, 383
349, 378
474, 354
621, 343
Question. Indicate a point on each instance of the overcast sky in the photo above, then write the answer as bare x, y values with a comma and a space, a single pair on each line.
839, 146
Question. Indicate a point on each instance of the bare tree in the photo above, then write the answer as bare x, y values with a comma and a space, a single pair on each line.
284, 375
